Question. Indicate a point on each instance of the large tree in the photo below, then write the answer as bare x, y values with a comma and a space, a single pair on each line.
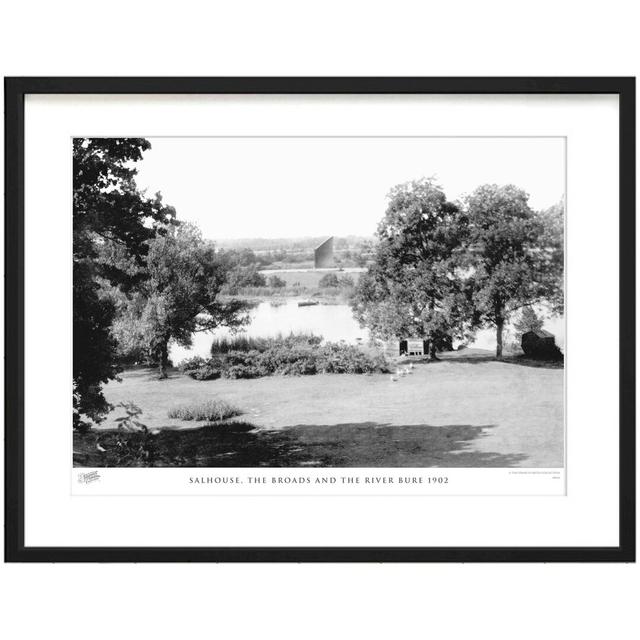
515, 255
108, 209
416, 285
182, 293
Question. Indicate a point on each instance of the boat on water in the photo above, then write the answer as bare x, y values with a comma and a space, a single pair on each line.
308, 303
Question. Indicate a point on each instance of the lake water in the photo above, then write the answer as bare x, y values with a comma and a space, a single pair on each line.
332, 322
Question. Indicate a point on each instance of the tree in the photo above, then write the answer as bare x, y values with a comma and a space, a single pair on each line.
415, 286
108, 210
552, 254
239, 257
514, 258
240, 276
528, 321
182, 292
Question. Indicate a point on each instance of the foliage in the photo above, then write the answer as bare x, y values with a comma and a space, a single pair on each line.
275, 282
211, 410
130, 421
132, 443
94, 348
200, 368
260, 293
346, 282
416, 285
109, 211
243, 257
552, 262
243, 276
238, 343
181, 293
204, 446
528, 321
515, 260
329, 280
302, 354
337, 357
131, 329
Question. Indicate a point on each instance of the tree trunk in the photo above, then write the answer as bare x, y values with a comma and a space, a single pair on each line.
164, 359
499, 330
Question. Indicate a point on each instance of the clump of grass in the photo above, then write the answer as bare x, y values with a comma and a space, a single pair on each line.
210, 410
238, 343
246, 343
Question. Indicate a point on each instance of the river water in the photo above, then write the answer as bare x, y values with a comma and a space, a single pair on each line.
334, 322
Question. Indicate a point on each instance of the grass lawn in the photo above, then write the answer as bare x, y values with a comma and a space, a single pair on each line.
465, 411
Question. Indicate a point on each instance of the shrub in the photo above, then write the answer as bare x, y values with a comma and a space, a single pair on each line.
346, 282
289, 358
276, 282
299, 354
343, 358
239, 364
200, 369
244, 276
329, 280
130, 421
210, 410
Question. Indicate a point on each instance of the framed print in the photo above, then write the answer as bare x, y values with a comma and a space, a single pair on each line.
320, 319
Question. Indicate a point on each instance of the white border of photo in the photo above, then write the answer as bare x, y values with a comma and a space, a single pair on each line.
585, 515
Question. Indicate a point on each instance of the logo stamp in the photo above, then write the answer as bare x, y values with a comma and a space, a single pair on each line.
87, 478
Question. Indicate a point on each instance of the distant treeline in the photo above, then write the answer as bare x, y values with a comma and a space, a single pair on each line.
348, 252
290, 244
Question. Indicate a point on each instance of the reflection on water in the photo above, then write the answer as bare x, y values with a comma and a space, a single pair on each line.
332, 322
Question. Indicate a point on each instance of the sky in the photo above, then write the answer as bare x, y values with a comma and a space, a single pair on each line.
292, 187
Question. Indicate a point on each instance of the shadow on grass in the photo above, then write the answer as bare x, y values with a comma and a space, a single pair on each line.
524, 361
238, 444
141, 372
520, 360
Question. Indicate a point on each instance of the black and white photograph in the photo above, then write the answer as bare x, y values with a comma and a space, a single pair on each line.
332, 302
314, 320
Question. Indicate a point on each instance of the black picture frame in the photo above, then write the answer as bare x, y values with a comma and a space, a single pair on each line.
15, 91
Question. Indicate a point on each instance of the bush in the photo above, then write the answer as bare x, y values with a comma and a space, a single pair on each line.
301, 354
345, 358
276, 282
200, 369
211, 410
244, 276
239, 364
346, 282
329, 280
